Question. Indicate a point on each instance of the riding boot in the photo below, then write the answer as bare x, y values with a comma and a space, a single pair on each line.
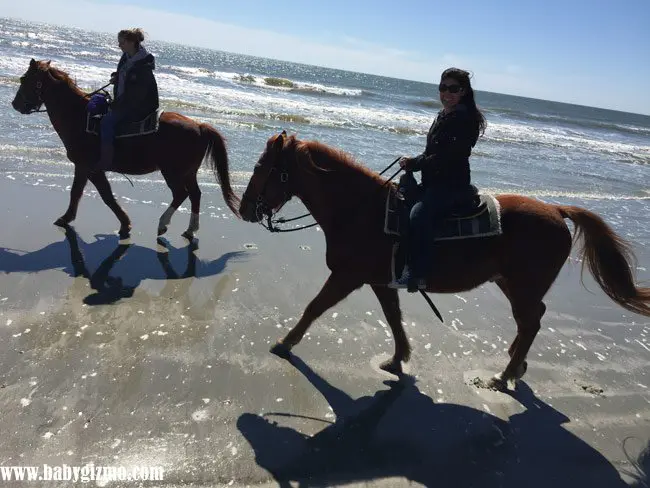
411, 274
409, 280
419, 262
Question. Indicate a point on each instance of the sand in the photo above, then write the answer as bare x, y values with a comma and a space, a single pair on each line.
157, 354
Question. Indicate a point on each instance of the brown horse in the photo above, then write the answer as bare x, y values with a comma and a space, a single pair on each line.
348, 202
177, 149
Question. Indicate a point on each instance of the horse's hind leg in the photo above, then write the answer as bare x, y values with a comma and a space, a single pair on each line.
501, 283
98, 178
335, 289
179, 194
194, 191
527, 310
389, 300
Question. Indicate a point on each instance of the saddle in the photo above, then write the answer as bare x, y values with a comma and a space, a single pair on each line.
479, 215
148, 125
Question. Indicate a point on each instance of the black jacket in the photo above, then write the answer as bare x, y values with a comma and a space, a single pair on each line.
445, 160
140, 96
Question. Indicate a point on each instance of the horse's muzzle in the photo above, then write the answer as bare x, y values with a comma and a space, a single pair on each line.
17, 107
20, 107
248, 211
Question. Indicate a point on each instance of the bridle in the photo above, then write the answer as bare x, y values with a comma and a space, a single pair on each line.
263, 209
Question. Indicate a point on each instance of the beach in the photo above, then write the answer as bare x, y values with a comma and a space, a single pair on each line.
112, 356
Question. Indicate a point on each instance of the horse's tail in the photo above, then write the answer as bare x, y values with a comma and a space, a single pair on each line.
218, 157
610, 259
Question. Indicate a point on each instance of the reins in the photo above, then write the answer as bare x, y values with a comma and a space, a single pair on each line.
271, 227
271, 223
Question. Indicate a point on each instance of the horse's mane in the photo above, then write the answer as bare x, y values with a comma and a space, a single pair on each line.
333, 160
64, 77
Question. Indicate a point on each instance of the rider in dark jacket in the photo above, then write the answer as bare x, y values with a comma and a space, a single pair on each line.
135, 91
445, 160
445, 169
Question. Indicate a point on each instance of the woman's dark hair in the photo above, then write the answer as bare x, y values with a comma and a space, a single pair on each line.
462, 77
132, 35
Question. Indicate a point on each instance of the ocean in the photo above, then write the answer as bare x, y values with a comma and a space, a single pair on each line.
557, 152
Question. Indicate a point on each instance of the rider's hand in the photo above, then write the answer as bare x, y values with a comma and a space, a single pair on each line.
404, 162
113, 78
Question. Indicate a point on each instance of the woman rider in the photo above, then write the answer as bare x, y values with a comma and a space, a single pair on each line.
135, 91
446, 180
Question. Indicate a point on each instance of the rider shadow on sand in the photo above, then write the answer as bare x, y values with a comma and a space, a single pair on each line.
401, 432
137, 263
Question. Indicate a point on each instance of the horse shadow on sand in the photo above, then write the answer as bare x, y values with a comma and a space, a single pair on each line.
119, 274
401, 433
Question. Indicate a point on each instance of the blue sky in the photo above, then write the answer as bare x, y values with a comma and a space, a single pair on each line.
587, 52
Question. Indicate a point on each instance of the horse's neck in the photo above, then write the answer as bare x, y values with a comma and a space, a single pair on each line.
333, 199
66, 109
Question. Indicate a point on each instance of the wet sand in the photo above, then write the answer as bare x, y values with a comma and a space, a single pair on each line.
158, 354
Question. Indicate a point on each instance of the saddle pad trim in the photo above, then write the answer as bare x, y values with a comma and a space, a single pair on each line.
387, 229
495, 225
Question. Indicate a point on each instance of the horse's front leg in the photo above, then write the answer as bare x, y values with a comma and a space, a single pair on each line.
77, 190
389, 300
336, 288
98, 178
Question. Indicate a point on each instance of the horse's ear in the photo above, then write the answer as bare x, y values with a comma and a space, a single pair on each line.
47, 64
284, 133
32, 62
278, 144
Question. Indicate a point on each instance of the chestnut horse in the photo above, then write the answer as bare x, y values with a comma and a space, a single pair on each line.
348, 202
177, 149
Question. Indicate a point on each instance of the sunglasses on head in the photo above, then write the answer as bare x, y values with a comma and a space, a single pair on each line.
451, 88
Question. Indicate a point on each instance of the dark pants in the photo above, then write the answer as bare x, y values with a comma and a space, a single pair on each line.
425, 216
432, 205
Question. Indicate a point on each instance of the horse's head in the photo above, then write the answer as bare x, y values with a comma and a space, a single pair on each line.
269, 187
30, 93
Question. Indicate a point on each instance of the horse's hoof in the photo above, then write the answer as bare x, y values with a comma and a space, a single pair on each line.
162, 230
282, 350
62, 222
497, 383
392, 366
125, 231
187, 235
